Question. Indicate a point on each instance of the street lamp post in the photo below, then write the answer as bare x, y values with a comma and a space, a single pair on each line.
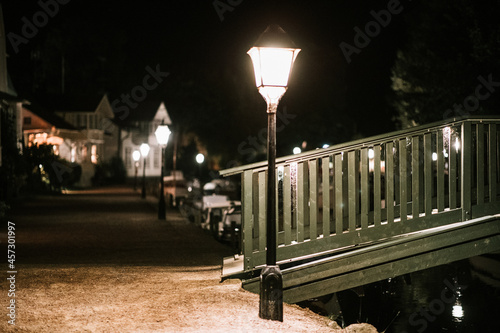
144, 152
272, 56
200, 158
162, 133
136, 155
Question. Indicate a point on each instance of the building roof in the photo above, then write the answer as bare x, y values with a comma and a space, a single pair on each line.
48, 116
9, 97
147, 110
73, 103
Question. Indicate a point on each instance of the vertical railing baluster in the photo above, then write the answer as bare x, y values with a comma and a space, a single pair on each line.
492, 165
403, 179
301, 215
262, 210
480, 163
352, 193
440, 171
277, 204
389, 181
338, 195
287, 205
247, 214
428, 174
365, 190
466, 173
294, 199
313, 199
415, 175
358, 188
377, 188
452, 170
345, 192
325, 169
256, 208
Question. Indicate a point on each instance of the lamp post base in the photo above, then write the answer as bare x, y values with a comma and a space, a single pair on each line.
271, 293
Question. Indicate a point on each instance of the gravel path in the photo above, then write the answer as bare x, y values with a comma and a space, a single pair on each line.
100, 261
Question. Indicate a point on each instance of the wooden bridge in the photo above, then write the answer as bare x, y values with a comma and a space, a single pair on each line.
375, 208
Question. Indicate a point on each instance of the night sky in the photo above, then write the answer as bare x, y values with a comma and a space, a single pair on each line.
210, 91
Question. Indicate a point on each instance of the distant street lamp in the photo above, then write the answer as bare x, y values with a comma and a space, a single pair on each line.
162, 133
144, 152
297, 150
273, 56
136, 155
200, 158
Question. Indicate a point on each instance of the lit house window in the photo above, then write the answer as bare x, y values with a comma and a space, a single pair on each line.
156, 158
128, 157
93, 156
83, 152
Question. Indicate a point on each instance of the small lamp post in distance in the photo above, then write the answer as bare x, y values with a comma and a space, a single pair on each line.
136, 156
162, 134
144, 152
272, 56
200, 158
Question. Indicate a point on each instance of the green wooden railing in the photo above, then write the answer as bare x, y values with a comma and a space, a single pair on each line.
372, 189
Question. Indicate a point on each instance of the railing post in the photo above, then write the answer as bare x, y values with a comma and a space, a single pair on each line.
466, 173
492, 167
247, 221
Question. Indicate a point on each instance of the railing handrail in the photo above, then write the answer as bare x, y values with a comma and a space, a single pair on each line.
365, 142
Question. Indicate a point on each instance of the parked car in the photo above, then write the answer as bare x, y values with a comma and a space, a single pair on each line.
222, 217
175, 188
229, 229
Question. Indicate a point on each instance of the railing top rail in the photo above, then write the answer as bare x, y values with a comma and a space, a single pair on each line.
365, 142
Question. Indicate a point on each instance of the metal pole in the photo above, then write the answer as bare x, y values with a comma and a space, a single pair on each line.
161, 203
135, 178
271, 279
271, 188
143, 194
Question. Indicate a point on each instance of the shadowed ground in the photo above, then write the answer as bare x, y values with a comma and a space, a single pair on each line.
101, 261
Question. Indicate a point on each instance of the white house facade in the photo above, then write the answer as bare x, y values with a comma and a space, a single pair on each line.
144, 132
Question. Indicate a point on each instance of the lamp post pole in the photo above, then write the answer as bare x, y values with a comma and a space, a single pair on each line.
200, 158
271, 185
162, 215
143, 193
136, 164
144, 152
273, 57
136, 155
162, 134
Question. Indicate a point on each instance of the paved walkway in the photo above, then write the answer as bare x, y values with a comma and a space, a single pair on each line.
100, 261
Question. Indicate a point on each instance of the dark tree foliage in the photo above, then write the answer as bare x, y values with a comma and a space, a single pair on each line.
450, 46
112, 172
12, 166
47, 172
